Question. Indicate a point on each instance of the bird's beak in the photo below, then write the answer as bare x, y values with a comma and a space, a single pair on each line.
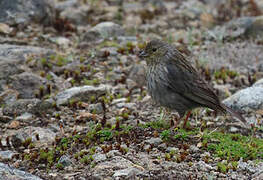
142, 54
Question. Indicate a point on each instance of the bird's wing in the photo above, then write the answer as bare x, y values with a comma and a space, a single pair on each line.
185, 80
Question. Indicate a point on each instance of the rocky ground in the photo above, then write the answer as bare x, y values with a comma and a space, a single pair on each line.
73, 98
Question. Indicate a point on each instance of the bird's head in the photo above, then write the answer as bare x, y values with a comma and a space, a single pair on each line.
154, 51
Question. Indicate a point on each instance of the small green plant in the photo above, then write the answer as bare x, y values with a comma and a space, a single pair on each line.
222, 167
165, 135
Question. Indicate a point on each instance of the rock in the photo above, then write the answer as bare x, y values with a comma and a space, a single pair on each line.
137, 74
65, 161
26, 117
127, 173
104, 30
46, 136
9, 67
27, 84
247, 99
194, 149
62, 5
117, 101
154, 141
98, 157
5, 29
24, 12
5, 119
192, 9
7, 173
21, 53
126, 105
243, 26
7, 155
61, 41
106, 168
78, 16
21, 106
97, 108
202, 166
82, 93
258, 83
8, 96
235, 56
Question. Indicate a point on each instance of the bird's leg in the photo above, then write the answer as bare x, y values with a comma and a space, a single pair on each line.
186, 119
175, 121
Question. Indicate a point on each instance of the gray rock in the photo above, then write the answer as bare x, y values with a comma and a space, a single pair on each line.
126, 105
27, 84
250, 166
9, 67
107, 168
113, 153
46, 136
21, 53
21, 106
137, 74
5, 119
96, 107
202, 166
23, 12
78, 16
26, 117
98, 157
104, 30
247, 99
8, 96
244, 26
65, 161
127, 173
83, 93
258, 83
62, 5
154, 141
194, 148
7, 173
7, 155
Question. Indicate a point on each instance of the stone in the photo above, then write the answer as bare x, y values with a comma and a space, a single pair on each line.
65, 161
46, 136
78, 16
247, 99
34, 106
83, 93
21, 53
104, 30
5, 29
127, 173
98, 157
7, 172
137, 74
26, 117
9, 67
243, 26
154, 141
27, 84
23, 12
7, 155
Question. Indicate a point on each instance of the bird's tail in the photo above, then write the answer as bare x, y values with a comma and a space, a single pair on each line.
234, 113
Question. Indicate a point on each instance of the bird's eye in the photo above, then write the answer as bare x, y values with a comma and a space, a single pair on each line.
154, 49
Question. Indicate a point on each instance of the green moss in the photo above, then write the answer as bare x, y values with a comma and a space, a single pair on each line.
59, 166
159, 124
165, 135
234, 146
222, 167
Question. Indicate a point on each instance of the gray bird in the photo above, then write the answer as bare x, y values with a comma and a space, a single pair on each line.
175, 84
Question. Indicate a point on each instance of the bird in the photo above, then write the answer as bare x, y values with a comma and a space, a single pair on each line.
174, 83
